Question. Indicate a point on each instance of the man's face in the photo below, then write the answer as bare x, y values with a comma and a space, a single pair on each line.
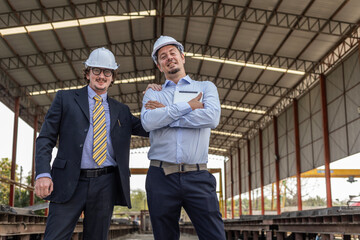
170, 60
98, 81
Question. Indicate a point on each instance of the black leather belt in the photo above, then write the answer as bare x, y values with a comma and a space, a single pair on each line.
96, 172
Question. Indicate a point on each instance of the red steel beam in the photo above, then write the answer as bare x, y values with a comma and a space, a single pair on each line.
326, 139
297, 153
13, 160
239, 169
232, 186
261, 173
249, 170
31, 202
277, 167
225, 202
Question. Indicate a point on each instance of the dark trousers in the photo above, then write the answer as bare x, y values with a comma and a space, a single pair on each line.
94, 196
194, 191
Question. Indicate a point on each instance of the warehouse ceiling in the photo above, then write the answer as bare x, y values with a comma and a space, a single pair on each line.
260, 54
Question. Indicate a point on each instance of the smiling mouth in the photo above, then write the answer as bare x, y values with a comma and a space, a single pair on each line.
101, 80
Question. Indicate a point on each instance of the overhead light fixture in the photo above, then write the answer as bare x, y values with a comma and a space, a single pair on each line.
11, 31
242, 109
217, 149
227, 134
76, 23
138, 79
130, 80
42, 92
243, 64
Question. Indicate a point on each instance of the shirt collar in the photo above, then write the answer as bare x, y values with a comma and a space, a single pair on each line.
184, 80
92, 94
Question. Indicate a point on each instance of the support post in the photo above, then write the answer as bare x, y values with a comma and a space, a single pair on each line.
280, 236
297, 153
277, 166
13, 160
326, 140
249, 170
232, 187
261, 173
239, 169
31, 202
225, 202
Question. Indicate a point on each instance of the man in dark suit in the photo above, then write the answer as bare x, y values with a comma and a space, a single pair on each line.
91, 170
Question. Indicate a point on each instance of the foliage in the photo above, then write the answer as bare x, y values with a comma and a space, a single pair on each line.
22, 196
138, 202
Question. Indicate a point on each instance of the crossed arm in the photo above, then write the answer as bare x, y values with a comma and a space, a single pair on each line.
193, 114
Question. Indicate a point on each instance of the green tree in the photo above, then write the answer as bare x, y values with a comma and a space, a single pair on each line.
138, 202
22, 196
5, 172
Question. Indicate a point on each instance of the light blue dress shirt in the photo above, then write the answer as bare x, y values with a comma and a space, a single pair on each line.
178, 134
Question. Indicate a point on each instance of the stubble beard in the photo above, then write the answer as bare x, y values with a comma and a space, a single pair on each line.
174, 71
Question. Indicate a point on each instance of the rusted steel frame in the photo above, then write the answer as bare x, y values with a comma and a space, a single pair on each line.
277, 167
13, 182
31, 201
13, 160
249, 177
232, 186
326, 139
261, 172
239, 170
225, 202
297, 153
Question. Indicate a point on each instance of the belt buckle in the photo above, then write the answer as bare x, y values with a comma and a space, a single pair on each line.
181, 167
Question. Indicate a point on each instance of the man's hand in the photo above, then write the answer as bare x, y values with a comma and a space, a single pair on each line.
153, 105
195, 102
153, 86
43, 187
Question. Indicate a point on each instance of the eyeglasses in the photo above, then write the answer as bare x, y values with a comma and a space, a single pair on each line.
97, 71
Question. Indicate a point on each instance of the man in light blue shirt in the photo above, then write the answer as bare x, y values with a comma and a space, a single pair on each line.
179, 138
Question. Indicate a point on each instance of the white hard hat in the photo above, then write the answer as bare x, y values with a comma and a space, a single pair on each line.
102, 58
164, 41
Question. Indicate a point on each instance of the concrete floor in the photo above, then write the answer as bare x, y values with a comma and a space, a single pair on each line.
150, 237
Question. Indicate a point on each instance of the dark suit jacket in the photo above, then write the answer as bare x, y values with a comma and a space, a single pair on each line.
68, 120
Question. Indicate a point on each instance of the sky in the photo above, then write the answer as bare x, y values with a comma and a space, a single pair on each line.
341, 189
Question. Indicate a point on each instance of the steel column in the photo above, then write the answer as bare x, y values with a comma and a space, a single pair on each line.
13, 160
249, 177
277, 167
221, 192
326, 139
232, 186
269, 235
225, 202
239, 169
255, 235
261, 173
33, 161
297, 153
280, 235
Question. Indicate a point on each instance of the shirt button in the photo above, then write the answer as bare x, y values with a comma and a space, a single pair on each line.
81, 145
85, 130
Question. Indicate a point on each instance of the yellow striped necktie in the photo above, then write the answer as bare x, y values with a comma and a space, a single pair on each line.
99, 124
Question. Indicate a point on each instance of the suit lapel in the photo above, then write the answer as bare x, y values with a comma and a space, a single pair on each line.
114, 112
81, 97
